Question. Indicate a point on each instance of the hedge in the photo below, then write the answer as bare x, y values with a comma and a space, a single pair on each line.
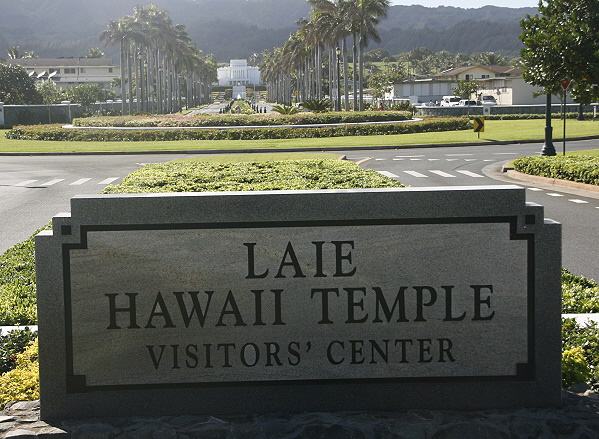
56, 132
534, 116
22, 383
250, 176
579, 295
211, 120
582, 169
17, 284
580, 341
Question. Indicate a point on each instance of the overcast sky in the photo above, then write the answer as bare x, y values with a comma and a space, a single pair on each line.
469, 3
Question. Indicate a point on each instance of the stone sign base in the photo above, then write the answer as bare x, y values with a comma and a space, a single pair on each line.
577, 418
295, 301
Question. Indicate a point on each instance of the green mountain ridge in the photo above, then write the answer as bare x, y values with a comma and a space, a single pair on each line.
238, 28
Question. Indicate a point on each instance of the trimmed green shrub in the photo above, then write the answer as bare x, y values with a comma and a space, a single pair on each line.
250, 176
213, 120
583, 169
575, 369
12, 344
579, 294
56, 132
23, 382
17, 284
585, 337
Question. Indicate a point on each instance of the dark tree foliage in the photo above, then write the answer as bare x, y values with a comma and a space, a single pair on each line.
16, 88
562, 42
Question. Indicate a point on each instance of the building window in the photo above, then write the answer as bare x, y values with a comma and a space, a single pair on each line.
468, 77
69, 70
82, 70
109, 69
485, 76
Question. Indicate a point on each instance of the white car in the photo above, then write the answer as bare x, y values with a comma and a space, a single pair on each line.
466, 103
450, 101
488, 100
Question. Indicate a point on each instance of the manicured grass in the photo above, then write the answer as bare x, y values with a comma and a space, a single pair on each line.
590, 152
280, 156
495, 130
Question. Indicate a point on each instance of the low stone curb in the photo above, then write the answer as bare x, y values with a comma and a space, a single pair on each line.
511, 172
577, 418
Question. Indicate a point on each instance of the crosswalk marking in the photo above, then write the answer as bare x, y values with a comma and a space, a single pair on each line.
388, 174
25, 183
579, 201
471, 174
443, 174
416, 174
51, 182
109, 180
80, 181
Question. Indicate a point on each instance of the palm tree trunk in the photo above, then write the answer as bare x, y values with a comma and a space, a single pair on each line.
123, 89
361, 82
355, 75
345, 75
130, 79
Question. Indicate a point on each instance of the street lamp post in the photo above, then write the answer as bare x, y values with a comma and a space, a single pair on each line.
338, 53
548, 148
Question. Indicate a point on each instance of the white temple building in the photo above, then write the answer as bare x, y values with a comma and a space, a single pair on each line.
238, 73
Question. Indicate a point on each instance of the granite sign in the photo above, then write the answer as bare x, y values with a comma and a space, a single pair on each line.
294, 301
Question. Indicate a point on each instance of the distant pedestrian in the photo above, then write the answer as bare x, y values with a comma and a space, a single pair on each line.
381, 108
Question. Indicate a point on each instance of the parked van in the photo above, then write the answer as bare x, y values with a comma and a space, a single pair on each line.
450, 101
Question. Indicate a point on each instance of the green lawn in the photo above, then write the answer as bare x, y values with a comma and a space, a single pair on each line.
495, 130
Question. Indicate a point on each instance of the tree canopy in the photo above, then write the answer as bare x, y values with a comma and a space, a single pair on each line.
16, 87
562, 43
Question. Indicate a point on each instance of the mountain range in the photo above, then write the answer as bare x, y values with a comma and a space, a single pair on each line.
238, 28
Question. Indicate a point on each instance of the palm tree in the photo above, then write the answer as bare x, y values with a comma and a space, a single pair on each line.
95, 52
13, 52
116, 34
370, 13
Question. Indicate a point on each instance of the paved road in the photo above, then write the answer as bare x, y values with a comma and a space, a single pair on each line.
33, 189
578, 211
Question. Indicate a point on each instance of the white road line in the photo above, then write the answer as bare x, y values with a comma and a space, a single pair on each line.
488, 160
456, 155
378, 160
470, 160
443, 174
25, 183
399, 160
579, 201
555, 195
505, 153
51, 182
534, 189
109, 180
388, 174
471, 174
408, 156
451, 160
433, 160
415, 160
80, 181
416, 174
